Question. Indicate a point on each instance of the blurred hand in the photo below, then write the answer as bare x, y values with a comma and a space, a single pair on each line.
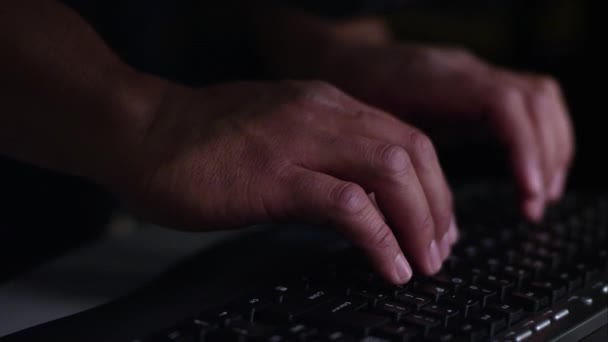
243, 153
433, 85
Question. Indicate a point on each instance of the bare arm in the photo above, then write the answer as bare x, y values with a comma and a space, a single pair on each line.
68, 102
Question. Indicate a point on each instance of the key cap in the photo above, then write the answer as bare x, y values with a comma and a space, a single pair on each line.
512, 313
482, 294
448, 281
398, 332
413, 300
294, 306
530, 300
250, 306
588, 272
467, 331
220, 318
438, 335
493, 322
573, 281
299, 332
554, 290
519, 275
460, 301
444, 313
433, 291
424, 322
500, 284
393, 310
372, 298
249, 330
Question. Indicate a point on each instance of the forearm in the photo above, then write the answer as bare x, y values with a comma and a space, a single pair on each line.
68, 103
300, 44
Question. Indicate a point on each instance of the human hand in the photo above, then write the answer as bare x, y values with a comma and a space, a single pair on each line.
432, 85
245, 153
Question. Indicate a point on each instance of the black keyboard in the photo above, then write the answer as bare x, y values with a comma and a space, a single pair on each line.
505, 281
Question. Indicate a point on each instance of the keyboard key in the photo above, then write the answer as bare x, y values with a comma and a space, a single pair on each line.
454, 283
493, 322
512, 313
444, 313
431, 290
482, 294
393, 310
519, 275
424, 322
554, 290
497, 283
413, 300
467, 331
398, 332
461, 301
530, 300
439, 335
220, 317
370, 296
294, 306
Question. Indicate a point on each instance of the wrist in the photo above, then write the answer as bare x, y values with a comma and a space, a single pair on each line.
130, 106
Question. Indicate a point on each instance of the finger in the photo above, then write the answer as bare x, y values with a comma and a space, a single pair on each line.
373, 123
508, 116
428, 169
387, 170
561, 130
550, 120
347, 205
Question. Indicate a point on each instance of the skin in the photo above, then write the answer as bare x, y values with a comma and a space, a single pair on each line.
243, 153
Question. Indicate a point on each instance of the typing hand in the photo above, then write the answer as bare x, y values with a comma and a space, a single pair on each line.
244, 153
430, 85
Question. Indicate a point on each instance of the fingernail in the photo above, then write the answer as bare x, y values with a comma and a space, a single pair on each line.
535, 181
402, 268
534, 209
445, 246
453, 232
557, 185
434, 257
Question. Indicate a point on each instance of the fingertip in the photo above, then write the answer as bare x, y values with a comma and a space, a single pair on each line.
534, 209
445, 246
453, 232
433, 258
534, 181
403, 271
556, 187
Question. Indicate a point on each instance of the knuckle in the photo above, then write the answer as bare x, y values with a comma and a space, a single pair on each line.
348, 198
505, 96
422, 146
547, 84
443, 218
427, 225
392, 159
315, 91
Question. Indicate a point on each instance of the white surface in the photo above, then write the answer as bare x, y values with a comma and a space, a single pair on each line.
123, 260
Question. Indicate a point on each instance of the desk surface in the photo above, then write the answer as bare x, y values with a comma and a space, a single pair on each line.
124, 259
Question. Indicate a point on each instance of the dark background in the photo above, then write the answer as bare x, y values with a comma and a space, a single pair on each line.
44, 213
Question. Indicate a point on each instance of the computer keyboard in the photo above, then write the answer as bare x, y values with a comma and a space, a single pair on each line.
506, 280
